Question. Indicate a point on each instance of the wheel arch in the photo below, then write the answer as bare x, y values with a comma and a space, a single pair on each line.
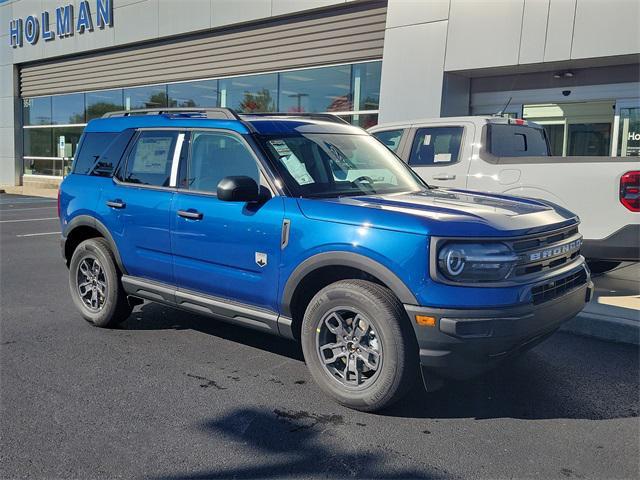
325, 268
82, 228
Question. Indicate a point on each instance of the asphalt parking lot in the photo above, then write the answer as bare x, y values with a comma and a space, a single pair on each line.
173, 395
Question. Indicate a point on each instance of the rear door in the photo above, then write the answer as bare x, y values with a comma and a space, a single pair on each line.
136, 205
441, 154
229, 250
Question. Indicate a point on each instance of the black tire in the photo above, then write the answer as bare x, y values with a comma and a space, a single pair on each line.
114, 307
397, 364
601, 266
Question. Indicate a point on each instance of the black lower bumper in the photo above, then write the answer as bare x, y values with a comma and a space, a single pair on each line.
466, 343
622, 245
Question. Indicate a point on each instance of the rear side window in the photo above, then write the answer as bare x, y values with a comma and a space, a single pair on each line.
92, 146
516, 141
391, 138
435, 146
149, 160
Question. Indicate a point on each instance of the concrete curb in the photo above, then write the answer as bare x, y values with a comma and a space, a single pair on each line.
604, 327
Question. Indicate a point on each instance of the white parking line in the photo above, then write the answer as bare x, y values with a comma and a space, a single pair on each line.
38, 234
28, 220
23, 209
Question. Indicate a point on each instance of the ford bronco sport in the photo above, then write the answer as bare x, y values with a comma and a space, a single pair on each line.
306, 227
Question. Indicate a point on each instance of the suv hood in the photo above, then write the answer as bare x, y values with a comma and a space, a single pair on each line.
443, 212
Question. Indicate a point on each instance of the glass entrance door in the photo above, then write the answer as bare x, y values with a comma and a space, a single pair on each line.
627, 129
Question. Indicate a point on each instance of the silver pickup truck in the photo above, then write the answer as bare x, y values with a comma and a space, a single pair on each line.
512, 156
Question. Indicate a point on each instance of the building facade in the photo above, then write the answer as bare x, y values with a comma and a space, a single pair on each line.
571, 65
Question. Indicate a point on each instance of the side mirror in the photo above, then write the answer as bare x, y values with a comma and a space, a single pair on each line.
238, 189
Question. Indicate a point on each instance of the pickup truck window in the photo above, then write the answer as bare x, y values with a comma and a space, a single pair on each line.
507, 140
215, 155
391, 138
149, 161
334, 165
435, 146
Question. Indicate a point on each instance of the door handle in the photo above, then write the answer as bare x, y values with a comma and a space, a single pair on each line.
116, 203
190, 214
444, 176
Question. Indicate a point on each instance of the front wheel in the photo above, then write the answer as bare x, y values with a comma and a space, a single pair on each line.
95, 285
358, 344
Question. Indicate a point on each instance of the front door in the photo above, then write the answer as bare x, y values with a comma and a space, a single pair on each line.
229, 250
440, 156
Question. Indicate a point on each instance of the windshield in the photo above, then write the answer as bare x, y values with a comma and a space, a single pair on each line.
332, 165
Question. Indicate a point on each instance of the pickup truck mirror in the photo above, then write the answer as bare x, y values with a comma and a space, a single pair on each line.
238, 189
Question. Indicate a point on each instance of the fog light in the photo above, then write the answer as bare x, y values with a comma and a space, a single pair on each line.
425, 321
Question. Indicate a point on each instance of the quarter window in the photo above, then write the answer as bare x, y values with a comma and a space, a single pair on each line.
436, 146
149, 161
215, 155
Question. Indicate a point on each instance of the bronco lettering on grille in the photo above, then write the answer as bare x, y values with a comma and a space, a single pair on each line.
565, 249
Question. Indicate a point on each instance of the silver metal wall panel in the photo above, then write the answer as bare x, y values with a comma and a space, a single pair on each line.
339, 35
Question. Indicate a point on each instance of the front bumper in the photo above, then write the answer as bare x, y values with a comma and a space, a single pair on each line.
466, 343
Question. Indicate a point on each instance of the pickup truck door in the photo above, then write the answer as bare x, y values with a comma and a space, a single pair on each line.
226, 250
441, 153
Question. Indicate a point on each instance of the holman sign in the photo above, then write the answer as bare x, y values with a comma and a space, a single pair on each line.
35, 27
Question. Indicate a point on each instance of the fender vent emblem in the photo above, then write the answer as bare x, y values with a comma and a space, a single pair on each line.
261, 259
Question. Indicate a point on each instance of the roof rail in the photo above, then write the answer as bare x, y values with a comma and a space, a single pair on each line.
329, 117
215, 113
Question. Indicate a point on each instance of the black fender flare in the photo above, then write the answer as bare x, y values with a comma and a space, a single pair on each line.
345, 259
89, 221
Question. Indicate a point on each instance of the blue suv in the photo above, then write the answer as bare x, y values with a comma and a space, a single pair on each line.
306, 227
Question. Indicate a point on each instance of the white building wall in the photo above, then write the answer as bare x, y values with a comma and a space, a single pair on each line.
485, 34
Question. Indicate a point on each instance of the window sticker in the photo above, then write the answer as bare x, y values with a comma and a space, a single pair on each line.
427, 140
293, 165
151, 155
442, 157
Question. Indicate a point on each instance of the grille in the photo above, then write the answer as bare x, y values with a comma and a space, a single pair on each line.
555, 243
555, 288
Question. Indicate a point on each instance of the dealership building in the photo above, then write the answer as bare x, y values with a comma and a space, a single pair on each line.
571, 65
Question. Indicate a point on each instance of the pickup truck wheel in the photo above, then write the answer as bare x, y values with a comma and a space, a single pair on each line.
95, 284
358, 344
601, 266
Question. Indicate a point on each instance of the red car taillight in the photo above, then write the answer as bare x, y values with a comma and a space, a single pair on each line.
630, 190
58, 203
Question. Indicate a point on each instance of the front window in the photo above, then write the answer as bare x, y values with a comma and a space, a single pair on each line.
333, 165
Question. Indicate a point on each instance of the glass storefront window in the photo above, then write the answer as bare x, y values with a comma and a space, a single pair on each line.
193, 94
67, 109
365, 121
39, 166
325, 89
38, 142
37, 111
101, 102
254, 93
629, 132
589, 139
366, 85
145, 97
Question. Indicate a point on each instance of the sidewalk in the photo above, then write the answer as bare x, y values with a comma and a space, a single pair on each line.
614, 312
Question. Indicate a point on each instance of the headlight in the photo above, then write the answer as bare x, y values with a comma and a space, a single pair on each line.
476, 262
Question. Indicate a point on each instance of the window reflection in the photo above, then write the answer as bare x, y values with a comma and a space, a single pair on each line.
38, 142
253, 93
366, 85
193, 94
145, 97
68, 108
101, 102
316, 90
37, 111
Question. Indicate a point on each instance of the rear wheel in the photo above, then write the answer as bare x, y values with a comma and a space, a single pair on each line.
95, 284
358, 344
601, 266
